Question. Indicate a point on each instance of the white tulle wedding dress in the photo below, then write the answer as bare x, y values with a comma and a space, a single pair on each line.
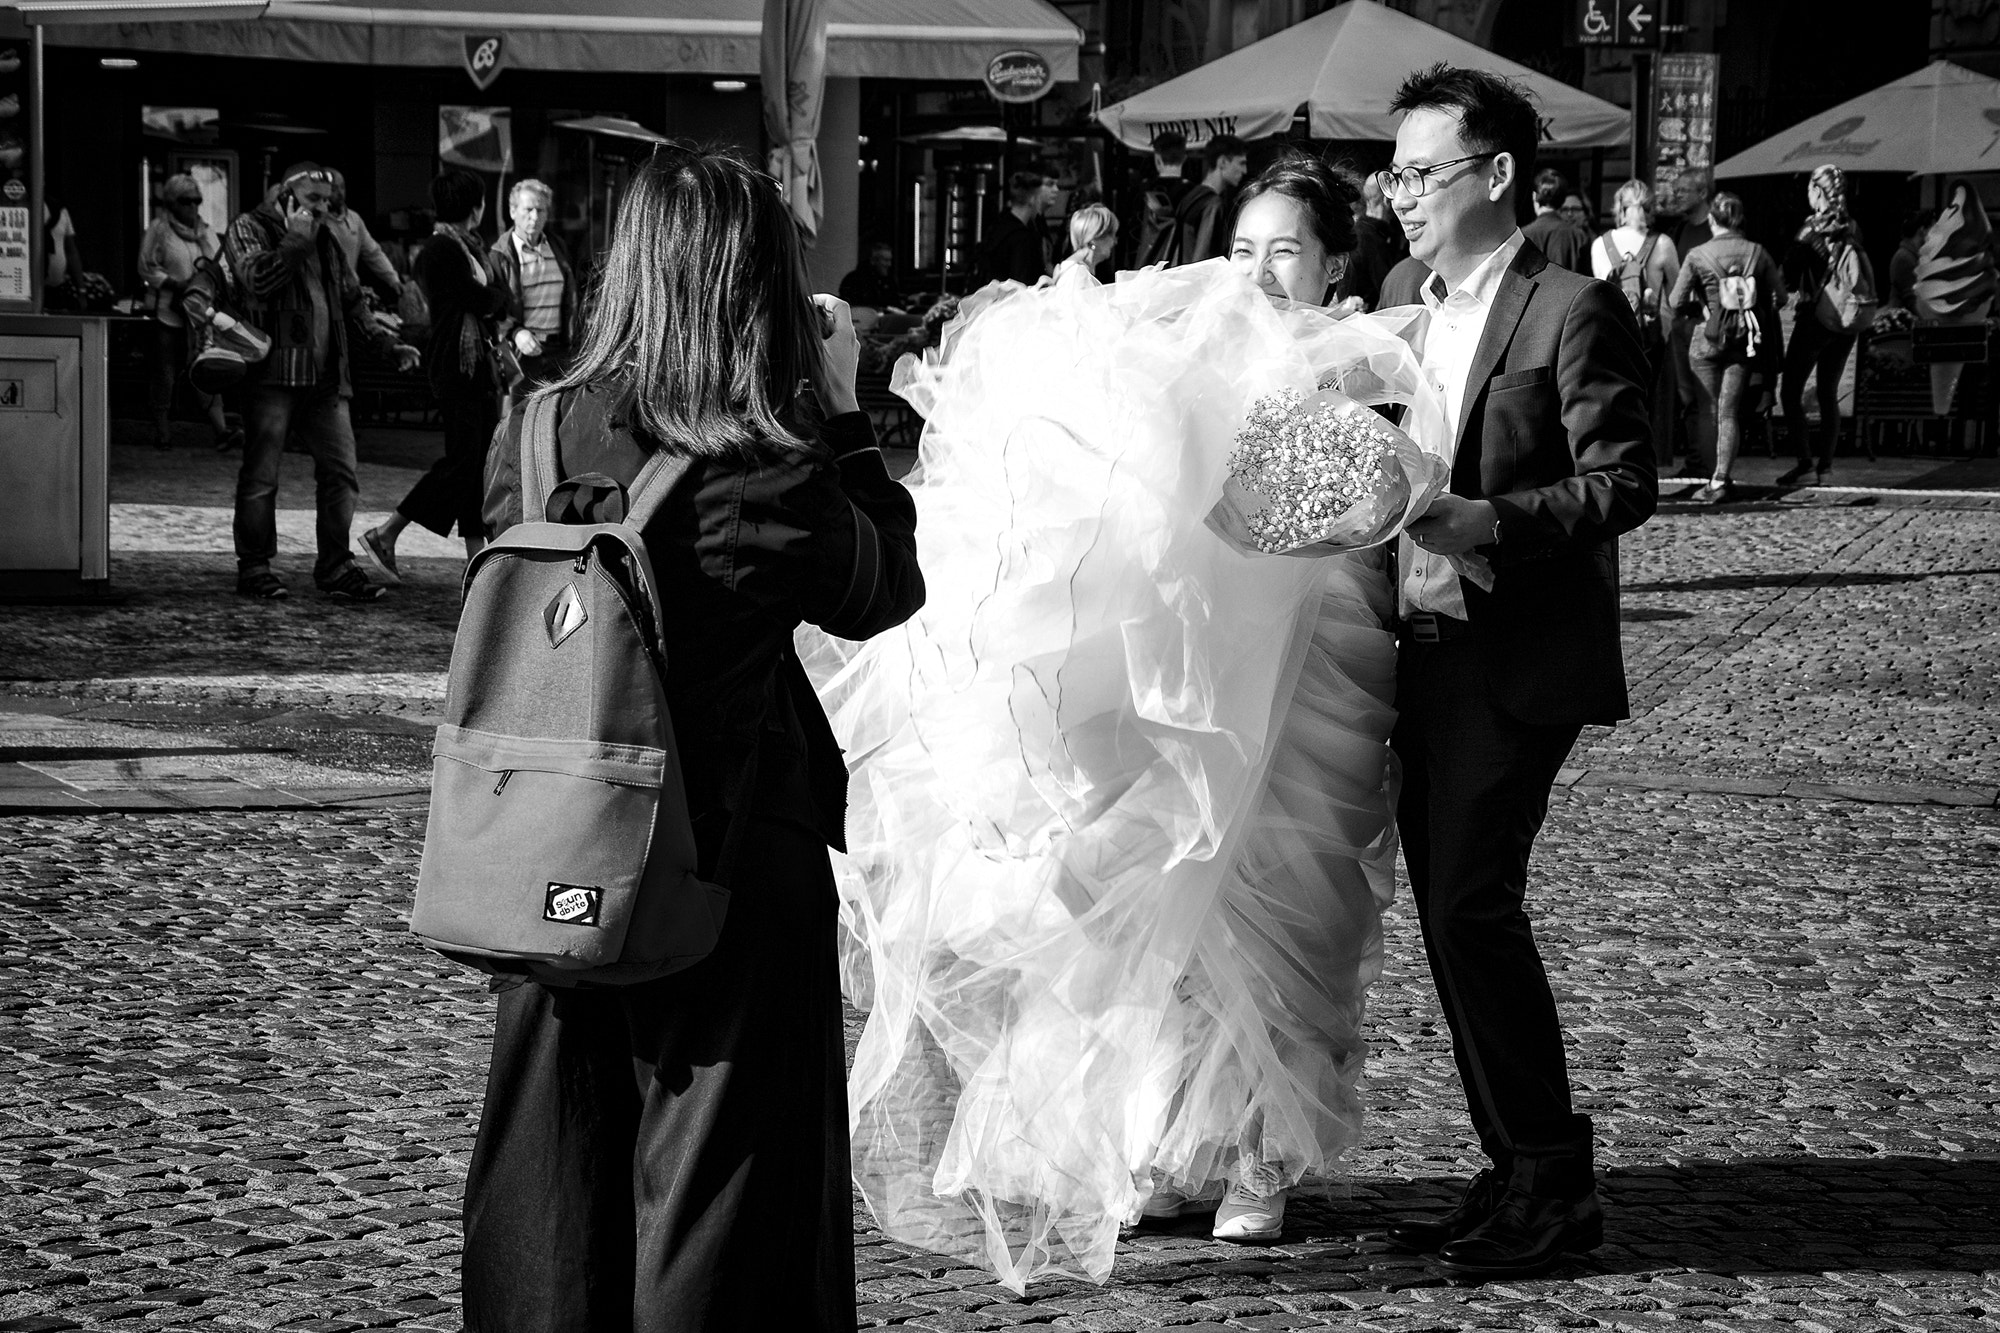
1121, 818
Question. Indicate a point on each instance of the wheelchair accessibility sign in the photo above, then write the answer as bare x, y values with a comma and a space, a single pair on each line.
1618, 22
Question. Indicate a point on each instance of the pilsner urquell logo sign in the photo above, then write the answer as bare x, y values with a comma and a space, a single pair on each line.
1018, 76
1836, 141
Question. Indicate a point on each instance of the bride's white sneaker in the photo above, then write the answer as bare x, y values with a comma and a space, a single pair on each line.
1254, 1208
1169, 1201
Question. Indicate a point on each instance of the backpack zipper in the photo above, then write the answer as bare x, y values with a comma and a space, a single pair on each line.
501, 785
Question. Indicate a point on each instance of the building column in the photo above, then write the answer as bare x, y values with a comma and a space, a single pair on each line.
836, 252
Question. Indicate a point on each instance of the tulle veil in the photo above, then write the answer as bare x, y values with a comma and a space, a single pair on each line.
1120, 821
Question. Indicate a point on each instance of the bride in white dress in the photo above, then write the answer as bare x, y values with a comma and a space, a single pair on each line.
1121, 822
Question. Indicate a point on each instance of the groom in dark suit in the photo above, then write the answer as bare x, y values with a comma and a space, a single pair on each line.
1542, 373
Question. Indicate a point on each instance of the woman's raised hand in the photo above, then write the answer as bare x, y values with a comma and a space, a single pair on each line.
842, 354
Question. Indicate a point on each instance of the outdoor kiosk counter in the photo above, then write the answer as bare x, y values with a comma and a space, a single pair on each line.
55, 536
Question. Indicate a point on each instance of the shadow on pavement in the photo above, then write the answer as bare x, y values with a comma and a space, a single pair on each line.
1857, 579
1723, 1216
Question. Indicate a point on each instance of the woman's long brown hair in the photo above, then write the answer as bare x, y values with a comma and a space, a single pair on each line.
701, 311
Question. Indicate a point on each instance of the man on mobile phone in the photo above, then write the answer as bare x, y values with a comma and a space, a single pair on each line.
294, 284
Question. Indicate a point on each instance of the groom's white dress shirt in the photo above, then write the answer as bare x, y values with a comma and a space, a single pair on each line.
1458, 319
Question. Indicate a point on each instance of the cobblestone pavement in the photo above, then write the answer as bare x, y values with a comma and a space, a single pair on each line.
237, 1097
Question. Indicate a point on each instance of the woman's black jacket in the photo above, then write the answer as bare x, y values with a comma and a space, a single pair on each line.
744, 551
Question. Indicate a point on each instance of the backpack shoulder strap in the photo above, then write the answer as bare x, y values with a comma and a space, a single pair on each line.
649, 490
539, 465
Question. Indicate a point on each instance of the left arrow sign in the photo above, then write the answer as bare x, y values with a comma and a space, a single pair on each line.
1638, 18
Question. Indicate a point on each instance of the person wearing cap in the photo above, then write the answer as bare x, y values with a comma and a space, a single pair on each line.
178, 239
295, 286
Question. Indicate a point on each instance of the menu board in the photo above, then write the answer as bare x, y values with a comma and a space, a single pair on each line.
1684, 131
17, 285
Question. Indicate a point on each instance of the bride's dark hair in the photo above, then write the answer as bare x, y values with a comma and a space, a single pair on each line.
701, 312
1325, 192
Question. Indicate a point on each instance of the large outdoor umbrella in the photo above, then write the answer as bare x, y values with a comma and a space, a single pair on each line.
1942, 120
1343, 67
793, 71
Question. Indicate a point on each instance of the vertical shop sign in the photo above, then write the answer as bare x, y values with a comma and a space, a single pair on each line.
1683, 131
17, 149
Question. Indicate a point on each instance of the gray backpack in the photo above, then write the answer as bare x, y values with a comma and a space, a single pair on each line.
559, 845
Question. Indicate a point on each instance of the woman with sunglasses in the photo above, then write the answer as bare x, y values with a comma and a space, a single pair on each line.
673, 1155
178, 239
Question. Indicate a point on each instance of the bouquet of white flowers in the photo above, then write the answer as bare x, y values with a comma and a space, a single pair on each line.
1322, 471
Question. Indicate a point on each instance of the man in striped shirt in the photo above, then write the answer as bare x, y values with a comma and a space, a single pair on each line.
533, 263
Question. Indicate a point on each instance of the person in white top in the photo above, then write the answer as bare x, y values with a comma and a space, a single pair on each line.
1093, 231
1644, 265
1500, 667
178, 239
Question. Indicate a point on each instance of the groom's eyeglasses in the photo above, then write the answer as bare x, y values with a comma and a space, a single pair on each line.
1416, 181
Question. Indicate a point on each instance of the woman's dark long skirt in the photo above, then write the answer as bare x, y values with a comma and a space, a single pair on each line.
673, 1157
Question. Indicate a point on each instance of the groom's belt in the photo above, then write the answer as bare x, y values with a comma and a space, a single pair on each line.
1425, 627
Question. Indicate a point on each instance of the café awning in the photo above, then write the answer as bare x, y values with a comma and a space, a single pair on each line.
1944, 119
1343, 67
892, 39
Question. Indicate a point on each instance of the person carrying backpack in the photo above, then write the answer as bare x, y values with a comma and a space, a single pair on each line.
1837, 300
1644, 265
672, 1154
1733, 286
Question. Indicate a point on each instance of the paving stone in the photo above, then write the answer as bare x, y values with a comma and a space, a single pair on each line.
239, 1097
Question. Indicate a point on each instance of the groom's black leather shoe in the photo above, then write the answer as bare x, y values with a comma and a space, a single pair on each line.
1427, 1235
1525, 1235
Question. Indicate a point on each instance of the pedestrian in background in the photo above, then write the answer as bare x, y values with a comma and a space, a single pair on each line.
1689, 231
1723, 368
1018, 249
293, 284
1562, 240
363, 254
178, 239
534, 266
1201, 228
467, 299
1161, 196
1816, 349
672, 1156
1379, 221
1903, 264
1093, 231
1644, 265
873, 285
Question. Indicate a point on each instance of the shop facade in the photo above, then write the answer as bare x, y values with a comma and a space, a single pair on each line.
566, 94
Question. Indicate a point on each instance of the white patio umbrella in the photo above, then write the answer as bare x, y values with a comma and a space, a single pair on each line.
792, 69
1944, 119
1343, 66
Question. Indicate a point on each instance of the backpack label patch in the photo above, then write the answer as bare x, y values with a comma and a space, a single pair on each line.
565, 615
572, 904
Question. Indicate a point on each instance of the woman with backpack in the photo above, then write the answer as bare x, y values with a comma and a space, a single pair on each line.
1645, 265
672, 1155
1828, 269
1733, 286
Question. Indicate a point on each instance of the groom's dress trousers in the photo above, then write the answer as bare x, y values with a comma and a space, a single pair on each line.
1543, 374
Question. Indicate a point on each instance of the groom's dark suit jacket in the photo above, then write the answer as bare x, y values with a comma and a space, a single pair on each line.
1554, 430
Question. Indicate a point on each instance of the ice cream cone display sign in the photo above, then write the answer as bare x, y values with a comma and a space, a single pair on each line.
1955, 279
